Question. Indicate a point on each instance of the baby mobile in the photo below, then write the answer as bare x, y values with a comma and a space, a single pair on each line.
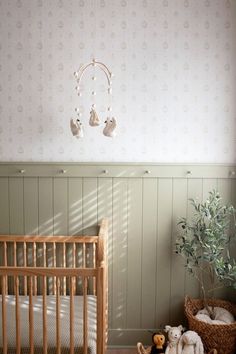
110, 123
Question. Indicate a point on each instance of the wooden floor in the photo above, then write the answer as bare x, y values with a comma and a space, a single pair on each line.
122, 351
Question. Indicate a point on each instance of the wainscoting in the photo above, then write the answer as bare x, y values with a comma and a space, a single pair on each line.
147, 280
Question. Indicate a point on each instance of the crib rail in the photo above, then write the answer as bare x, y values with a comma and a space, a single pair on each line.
49, 252
54, 265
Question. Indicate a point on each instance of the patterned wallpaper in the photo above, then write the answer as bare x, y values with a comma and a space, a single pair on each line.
173, 90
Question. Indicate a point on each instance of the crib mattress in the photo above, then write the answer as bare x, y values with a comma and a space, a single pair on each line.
51, 323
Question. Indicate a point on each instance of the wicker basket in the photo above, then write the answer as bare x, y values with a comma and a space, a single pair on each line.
220, 337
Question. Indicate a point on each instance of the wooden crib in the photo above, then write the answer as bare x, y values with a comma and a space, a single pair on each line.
53, 293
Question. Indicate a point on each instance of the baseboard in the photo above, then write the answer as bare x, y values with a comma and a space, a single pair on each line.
128, 338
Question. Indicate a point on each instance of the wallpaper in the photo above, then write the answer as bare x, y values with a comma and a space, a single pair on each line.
173, 90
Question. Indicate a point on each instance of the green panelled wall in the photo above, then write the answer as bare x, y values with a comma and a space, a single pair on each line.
147, 280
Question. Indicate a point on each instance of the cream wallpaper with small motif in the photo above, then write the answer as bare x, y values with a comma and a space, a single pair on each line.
174, 91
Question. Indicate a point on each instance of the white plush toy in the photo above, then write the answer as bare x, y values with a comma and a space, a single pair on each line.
94, 119
174, 334
190, 343
110, 127
205, 318
76, 128
222, 316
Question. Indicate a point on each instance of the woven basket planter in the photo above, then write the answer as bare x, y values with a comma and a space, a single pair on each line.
214, 336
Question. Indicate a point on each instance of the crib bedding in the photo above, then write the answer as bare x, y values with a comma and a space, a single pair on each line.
51, 323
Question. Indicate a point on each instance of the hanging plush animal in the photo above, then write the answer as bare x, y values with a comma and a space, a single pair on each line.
190, 343
174, 334
76, 128
110, 127
94, 119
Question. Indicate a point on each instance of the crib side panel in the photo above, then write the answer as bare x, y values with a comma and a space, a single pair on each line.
64, 252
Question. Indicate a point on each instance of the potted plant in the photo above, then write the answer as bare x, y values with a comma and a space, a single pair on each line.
204, 243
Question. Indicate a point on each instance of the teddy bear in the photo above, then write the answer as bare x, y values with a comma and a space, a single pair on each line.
190, 343
174, 334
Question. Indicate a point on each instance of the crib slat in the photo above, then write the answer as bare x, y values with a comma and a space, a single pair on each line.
101, 310
17, 309
5, 264
4, 315
14, 254
85, 315
45, 339
84, 255
31, 317
94, 266
73, 255
64, 266
72, 282
58, 322
34, 264
54, 265
44, 255
45, 259
25, 264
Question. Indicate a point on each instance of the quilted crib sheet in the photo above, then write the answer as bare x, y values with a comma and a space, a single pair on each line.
51, 324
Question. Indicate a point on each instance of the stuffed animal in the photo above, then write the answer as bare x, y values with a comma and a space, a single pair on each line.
158, 346
222, 316
94, 119
76, 128
158, 340
205, 318
174, 334
110, 127
190, 343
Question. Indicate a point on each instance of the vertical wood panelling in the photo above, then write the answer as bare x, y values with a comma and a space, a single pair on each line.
231, 291
45, 206
224, 188
147, 280
4, 206
31, 206
16, 202
208, 185
120, 229
105, 208
134, 255
195, 192
60, 206
177, 264
90, 206
164, 252
75, 195
90, 216
149, 241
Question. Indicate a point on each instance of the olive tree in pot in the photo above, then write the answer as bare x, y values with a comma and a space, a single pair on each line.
204, 242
